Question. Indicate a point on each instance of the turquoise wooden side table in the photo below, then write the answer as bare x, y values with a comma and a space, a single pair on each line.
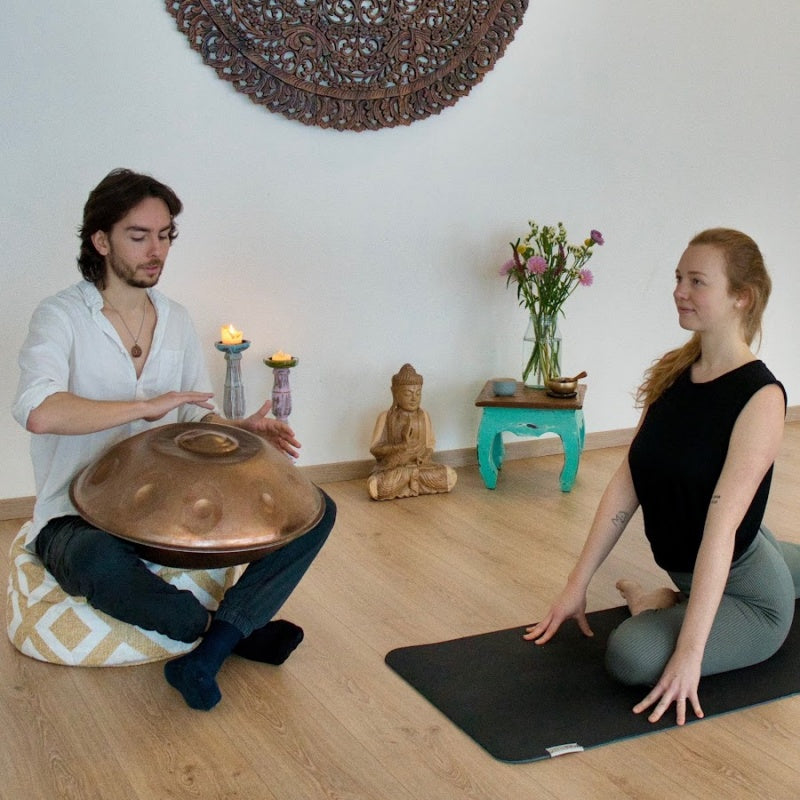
529, 412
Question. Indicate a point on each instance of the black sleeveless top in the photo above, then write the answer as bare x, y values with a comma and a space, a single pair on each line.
677, 456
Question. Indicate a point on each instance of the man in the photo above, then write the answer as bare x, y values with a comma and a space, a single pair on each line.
106, 359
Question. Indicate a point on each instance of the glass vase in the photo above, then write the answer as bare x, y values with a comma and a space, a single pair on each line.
541, 350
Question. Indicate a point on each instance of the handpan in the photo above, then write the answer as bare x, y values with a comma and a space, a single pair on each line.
198, 495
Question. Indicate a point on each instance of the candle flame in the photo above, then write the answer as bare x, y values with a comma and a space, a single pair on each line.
229, 335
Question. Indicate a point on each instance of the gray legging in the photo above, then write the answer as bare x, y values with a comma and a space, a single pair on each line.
752, 622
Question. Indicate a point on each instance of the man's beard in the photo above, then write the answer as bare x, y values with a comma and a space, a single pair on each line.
126, 273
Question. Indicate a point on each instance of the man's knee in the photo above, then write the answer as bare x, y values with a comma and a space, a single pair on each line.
329, 515
81, 557
318, 535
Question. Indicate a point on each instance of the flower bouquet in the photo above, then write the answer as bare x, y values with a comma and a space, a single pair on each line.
546, 270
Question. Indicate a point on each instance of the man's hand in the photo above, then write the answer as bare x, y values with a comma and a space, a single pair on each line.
160, 406
277, 433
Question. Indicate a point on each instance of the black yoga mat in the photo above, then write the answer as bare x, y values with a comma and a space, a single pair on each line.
522, 702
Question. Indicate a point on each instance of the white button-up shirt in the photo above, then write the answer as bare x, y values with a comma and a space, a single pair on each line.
72, 347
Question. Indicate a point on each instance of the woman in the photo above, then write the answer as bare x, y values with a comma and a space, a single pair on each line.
700, 466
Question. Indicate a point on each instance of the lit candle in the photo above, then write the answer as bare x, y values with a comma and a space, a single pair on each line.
229, 335
280, 356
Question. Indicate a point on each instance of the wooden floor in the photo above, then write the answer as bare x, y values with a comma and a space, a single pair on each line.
335, 722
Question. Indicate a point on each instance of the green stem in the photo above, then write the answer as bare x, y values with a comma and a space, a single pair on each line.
545, 357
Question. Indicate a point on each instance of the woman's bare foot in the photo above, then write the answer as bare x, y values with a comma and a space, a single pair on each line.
639, 600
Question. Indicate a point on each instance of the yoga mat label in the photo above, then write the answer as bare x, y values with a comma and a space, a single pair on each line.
563, 749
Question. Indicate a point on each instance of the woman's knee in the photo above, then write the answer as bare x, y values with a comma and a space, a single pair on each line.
626, 665
637, 651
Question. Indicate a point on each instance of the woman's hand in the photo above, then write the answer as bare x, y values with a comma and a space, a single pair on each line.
570, 604
678, 683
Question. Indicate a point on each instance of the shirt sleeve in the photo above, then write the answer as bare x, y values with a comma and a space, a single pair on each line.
44, 360
195, 376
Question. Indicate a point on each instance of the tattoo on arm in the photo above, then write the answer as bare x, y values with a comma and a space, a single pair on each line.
715, 500
621, 519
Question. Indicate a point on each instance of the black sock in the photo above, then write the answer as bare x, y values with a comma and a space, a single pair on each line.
194, 674
271, 644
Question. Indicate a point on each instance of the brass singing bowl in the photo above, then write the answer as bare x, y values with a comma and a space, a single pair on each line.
562, 385
198, 495
565, 386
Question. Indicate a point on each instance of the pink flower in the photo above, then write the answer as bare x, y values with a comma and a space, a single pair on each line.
536, 265
596, 237
507, 267
585, 277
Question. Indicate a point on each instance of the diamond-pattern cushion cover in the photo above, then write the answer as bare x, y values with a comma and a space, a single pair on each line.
47, 624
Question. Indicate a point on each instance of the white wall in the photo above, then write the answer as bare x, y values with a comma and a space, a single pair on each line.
360, 251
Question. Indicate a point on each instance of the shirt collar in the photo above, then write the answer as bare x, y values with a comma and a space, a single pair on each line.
91, 296
94, 300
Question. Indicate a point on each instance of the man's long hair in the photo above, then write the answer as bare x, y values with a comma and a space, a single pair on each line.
119, 192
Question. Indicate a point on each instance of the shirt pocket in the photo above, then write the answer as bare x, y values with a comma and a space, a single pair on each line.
164, 374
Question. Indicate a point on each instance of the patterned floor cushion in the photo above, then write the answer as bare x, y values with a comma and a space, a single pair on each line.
47, 624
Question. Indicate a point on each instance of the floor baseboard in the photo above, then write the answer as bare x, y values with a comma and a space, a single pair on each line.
22, 507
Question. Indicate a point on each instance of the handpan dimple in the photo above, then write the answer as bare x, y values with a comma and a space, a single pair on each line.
145, 498
144, 495
104, 469
268, 501
270, 511
202, 509
207, 442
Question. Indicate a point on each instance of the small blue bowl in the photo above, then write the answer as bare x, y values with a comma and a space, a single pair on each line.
504, 387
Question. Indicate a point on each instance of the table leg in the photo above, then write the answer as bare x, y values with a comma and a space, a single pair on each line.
489, 451
498, 450
572, 441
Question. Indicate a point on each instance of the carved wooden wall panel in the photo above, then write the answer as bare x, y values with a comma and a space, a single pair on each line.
351, 64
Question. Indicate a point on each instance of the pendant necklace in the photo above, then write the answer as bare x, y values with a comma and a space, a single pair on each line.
136, 351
